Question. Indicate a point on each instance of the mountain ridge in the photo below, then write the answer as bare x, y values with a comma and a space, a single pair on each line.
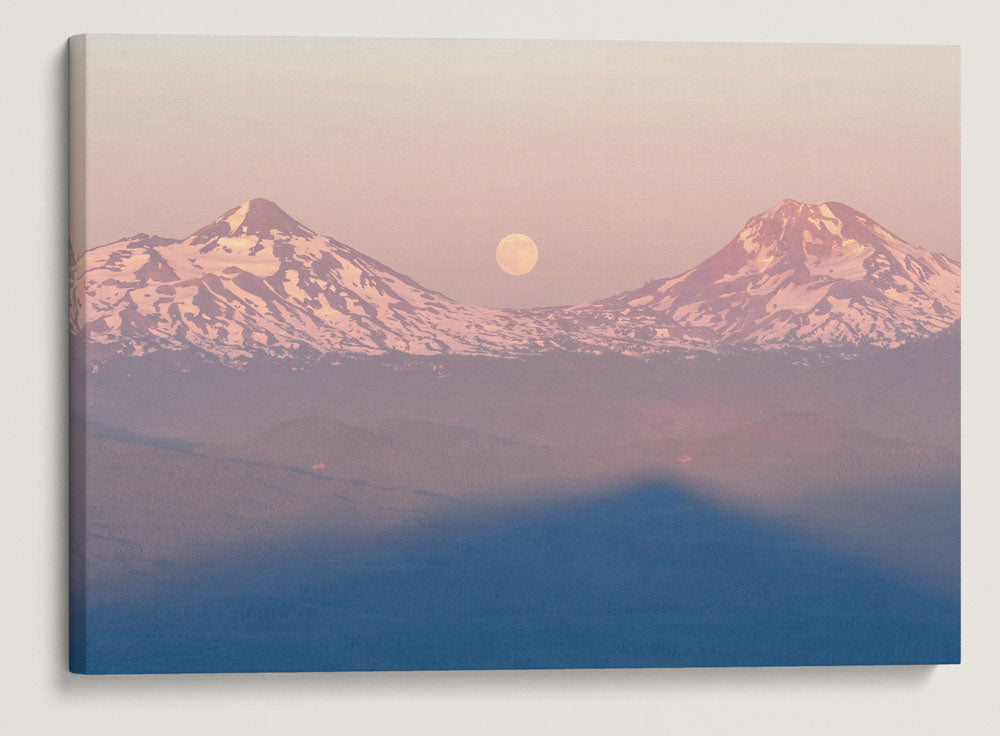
255, 281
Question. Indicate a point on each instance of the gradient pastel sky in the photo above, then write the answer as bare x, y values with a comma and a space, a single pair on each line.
623, 161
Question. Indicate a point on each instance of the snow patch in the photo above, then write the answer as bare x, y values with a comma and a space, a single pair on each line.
236, 219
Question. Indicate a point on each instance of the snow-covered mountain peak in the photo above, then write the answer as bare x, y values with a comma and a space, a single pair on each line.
811, 273
790, 225
258, 216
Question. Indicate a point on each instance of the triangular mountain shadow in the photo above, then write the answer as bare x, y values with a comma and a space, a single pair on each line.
649, 577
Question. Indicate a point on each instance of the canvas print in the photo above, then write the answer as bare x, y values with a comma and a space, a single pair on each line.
403, 354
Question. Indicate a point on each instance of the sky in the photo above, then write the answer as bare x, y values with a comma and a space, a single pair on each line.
624, 162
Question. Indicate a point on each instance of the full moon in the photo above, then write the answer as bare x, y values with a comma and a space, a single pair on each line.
517, 254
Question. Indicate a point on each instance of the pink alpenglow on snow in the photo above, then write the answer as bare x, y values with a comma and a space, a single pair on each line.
808, 274
257, 282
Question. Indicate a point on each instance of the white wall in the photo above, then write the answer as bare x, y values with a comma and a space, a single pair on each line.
37, 694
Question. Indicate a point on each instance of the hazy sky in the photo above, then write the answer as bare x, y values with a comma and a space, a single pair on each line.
623, 161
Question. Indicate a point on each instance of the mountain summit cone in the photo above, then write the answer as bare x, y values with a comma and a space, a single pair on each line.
257, 216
